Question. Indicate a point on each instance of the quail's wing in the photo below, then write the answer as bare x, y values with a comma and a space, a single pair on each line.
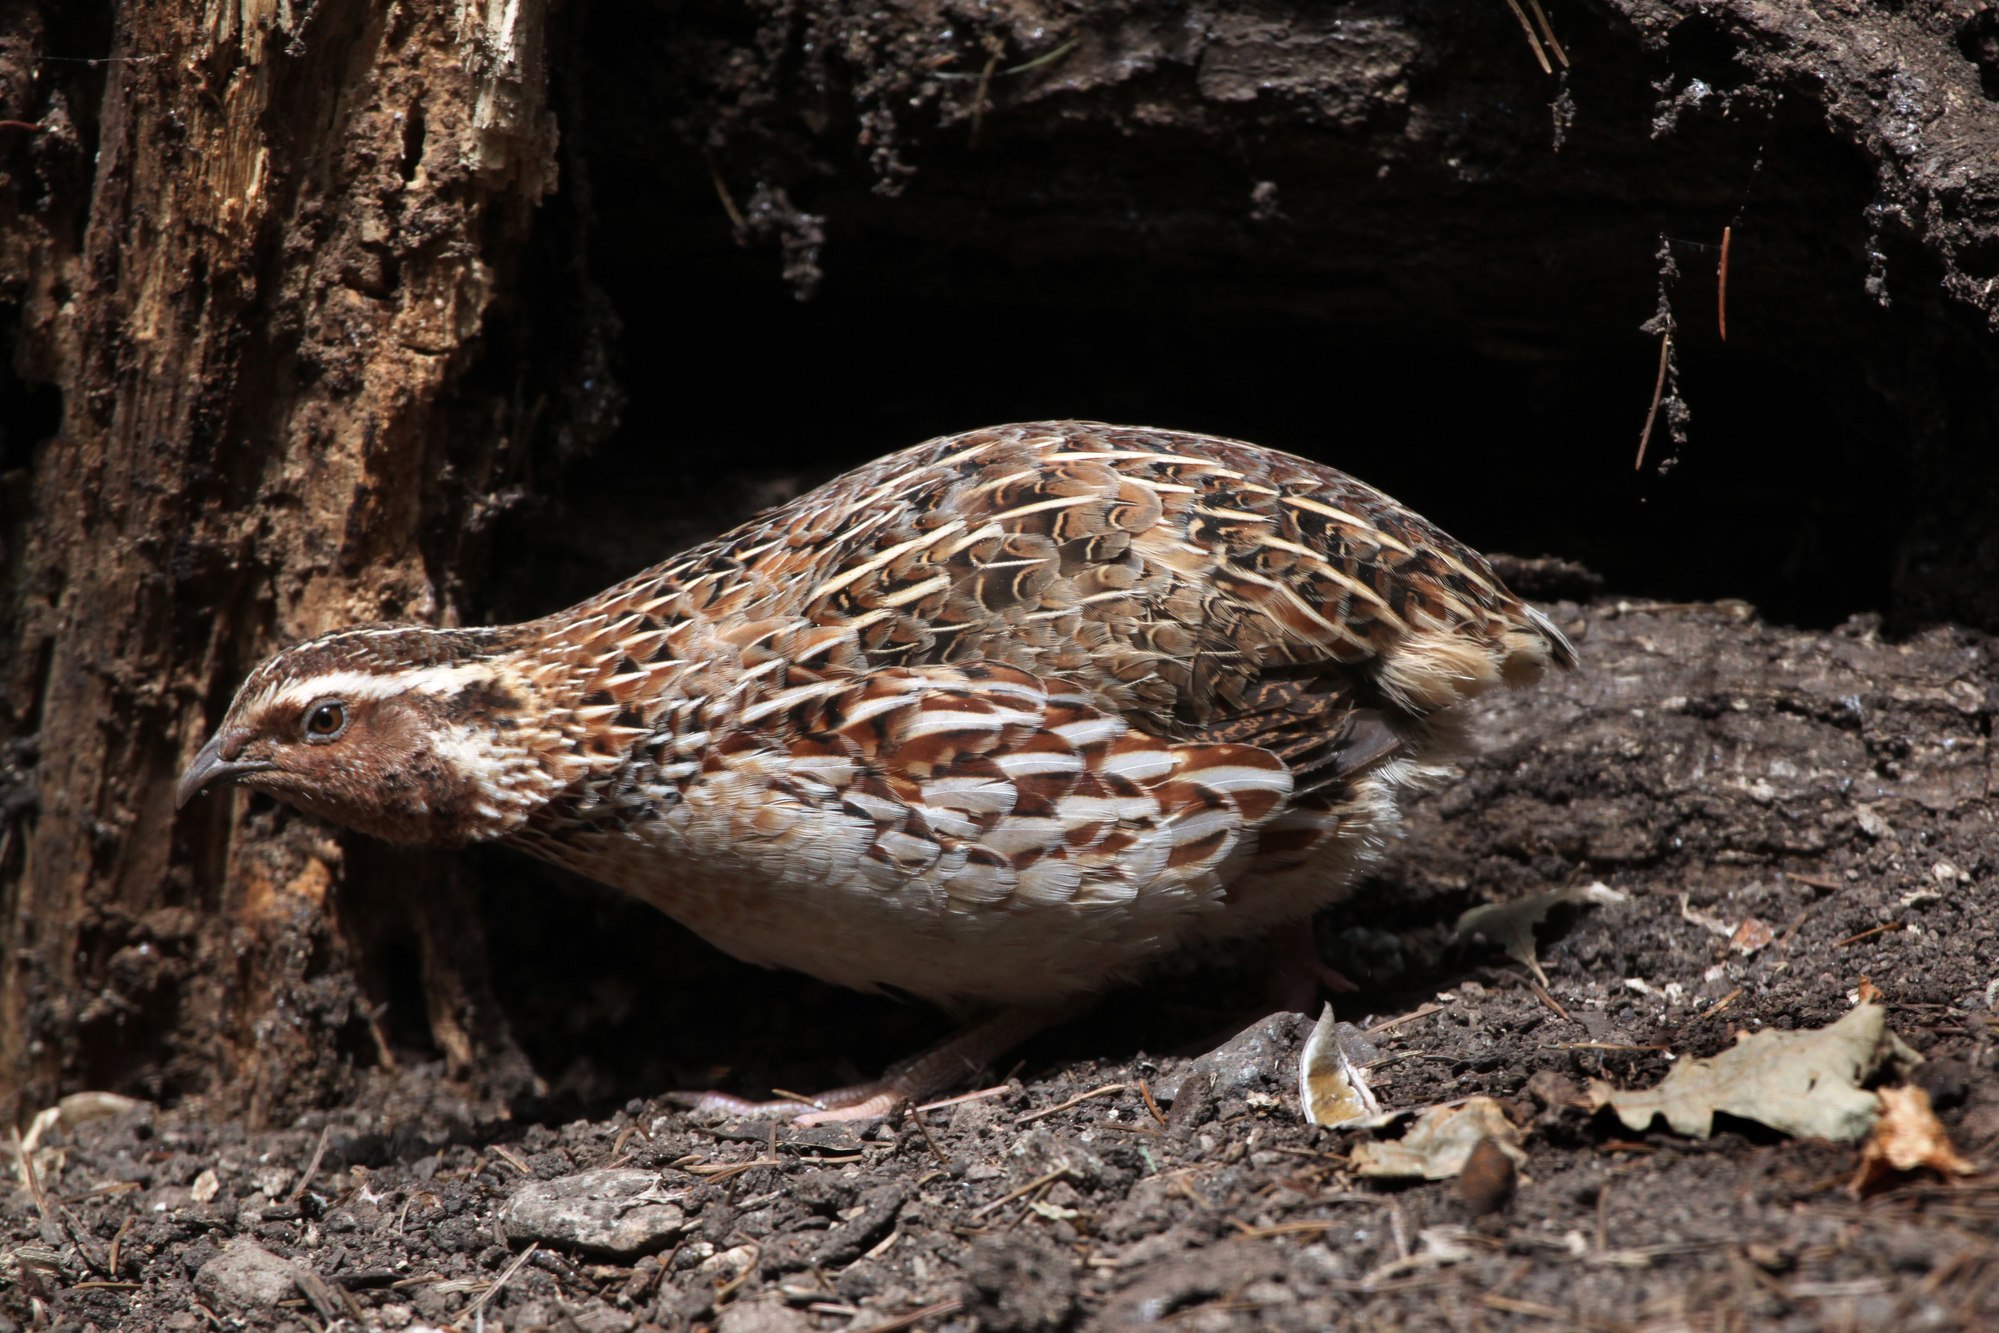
1200, 587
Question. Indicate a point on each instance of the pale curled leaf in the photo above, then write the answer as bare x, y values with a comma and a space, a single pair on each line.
1806, 1084
1511, 925
1440, 1142
1331, 1087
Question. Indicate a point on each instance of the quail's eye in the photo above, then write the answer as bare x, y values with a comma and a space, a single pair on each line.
325, 720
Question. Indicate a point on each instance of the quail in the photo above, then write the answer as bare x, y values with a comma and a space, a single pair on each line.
994, 721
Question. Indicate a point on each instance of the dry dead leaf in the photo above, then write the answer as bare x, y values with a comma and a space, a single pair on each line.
1487, 1182
1752, 935
1440, 1142
1801, 1083
1909, 1137
1511, 925
1707, 921
1331, 1087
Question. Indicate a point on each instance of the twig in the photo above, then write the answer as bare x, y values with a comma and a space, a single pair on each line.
1604, 1046
914, 1317
1881, 929
804, 1099
1658, 392
922, 1128
323, 1296
1660, 608
304, 1182
1059, 1173
979, 100
1149, 1131
1039, 61
1721, 285
1722, 1003
734, 1284
1145, 1091
1077, 1100
1011, 70
24, 1160
502, 1280
1302, 1227
1549, 33
118, 1240
511, 1159
998, 1090
720, 1171
94, 60
76, 1238
1549, 1000
1409, 1017
736, 219
1532, 41
1513, 1305
1511, 1276
617, 1155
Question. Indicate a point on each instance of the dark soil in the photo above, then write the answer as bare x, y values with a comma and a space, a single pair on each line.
1834, 786
1375, 233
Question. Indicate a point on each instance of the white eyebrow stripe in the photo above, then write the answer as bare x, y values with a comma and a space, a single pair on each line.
435, 680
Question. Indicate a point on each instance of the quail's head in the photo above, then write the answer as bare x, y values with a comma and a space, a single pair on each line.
410, 735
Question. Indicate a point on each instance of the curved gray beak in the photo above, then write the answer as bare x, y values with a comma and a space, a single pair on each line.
209, 766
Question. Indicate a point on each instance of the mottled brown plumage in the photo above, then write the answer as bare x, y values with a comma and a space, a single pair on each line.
995, 719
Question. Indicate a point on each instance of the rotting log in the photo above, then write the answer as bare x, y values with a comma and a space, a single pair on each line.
253, 248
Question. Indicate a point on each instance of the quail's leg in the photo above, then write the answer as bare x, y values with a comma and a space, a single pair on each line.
1297, 974
1297, 980
916, 1079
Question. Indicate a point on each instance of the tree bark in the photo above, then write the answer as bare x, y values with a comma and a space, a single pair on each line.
299, 221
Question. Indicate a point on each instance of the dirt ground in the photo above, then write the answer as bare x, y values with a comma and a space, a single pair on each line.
1832, 786
1188, 214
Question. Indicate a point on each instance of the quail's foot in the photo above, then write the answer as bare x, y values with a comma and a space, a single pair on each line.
1298, 975
923, 1076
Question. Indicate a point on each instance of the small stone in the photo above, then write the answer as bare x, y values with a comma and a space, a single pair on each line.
761, 1316
620, 1214
601, 1318
1255, 1059
205, 1187
247, 1276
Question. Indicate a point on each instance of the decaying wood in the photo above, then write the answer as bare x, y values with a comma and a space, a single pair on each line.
299, 219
